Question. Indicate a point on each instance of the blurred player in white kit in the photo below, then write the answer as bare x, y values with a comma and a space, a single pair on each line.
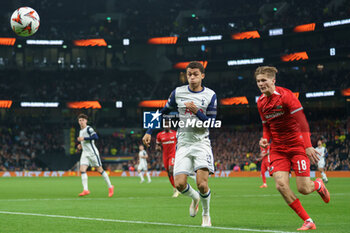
322, 151
90, 156
142, 166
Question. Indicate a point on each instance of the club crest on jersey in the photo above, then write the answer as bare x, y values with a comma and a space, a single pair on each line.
203, 102
271, 168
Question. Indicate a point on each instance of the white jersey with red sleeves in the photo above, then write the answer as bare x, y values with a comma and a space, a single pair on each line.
168, 142
277, 112
206, 102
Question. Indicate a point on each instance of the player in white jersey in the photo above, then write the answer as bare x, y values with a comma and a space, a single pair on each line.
194, 102
142, 167
322, 151
90, 155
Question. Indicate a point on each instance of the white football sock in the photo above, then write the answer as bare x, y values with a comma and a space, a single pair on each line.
205, 199
84, 179
324, 176
148, 176
190, 192
141, 176
106, 177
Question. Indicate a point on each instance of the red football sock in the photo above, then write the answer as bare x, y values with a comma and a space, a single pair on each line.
171, 178
317, 186
263, 176
299, 209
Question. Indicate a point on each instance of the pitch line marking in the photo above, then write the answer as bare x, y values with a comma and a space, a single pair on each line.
140, 222
119, 198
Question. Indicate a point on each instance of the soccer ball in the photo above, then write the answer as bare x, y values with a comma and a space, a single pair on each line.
25, 21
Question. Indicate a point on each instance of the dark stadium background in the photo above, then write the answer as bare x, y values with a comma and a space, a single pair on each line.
129, 68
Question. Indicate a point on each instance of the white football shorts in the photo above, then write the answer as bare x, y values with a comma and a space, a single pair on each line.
191, 157
321, 163
90, 159
142, 167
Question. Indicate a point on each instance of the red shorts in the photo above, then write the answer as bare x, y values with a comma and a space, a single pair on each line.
294, 157
168, 161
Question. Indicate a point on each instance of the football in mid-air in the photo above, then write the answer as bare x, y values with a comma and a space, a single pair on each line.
25, 21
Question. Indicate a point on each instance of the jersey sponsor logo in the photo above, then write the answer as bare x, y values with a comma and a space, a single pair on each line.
274, 115
169, 142
279, 107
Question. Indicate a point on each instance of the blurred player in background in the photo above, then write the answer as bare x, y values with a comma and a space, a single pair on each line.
90, 155
193, 152
264, 154
143, 166
285, 124
322, 151
166, 139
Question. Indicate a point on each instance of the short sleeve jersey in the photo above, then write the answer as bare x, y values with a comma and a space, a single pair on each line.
277, 112
322, 151
168, 142
143, 161
206, 102
88, 145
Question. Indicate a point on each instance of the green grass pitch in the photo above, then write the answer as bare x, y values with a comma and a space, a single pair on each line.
237, 205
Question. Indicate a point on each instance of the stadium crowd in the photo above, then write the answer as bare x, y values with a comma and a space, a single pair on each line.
235, 148
296, 79
22, 144
112, 86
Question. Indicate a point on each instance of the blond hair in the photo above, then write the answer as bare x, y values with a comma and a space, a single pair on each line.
269, 71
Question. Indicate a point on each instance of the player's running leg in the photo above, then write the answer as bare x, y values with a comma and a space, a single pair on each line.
107, 180
84, 180
263, 176
324, 177
323, 174
282, 184
202, 184
306, 186
141, 176
193, 177
148, 177
170, 170
186, 189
